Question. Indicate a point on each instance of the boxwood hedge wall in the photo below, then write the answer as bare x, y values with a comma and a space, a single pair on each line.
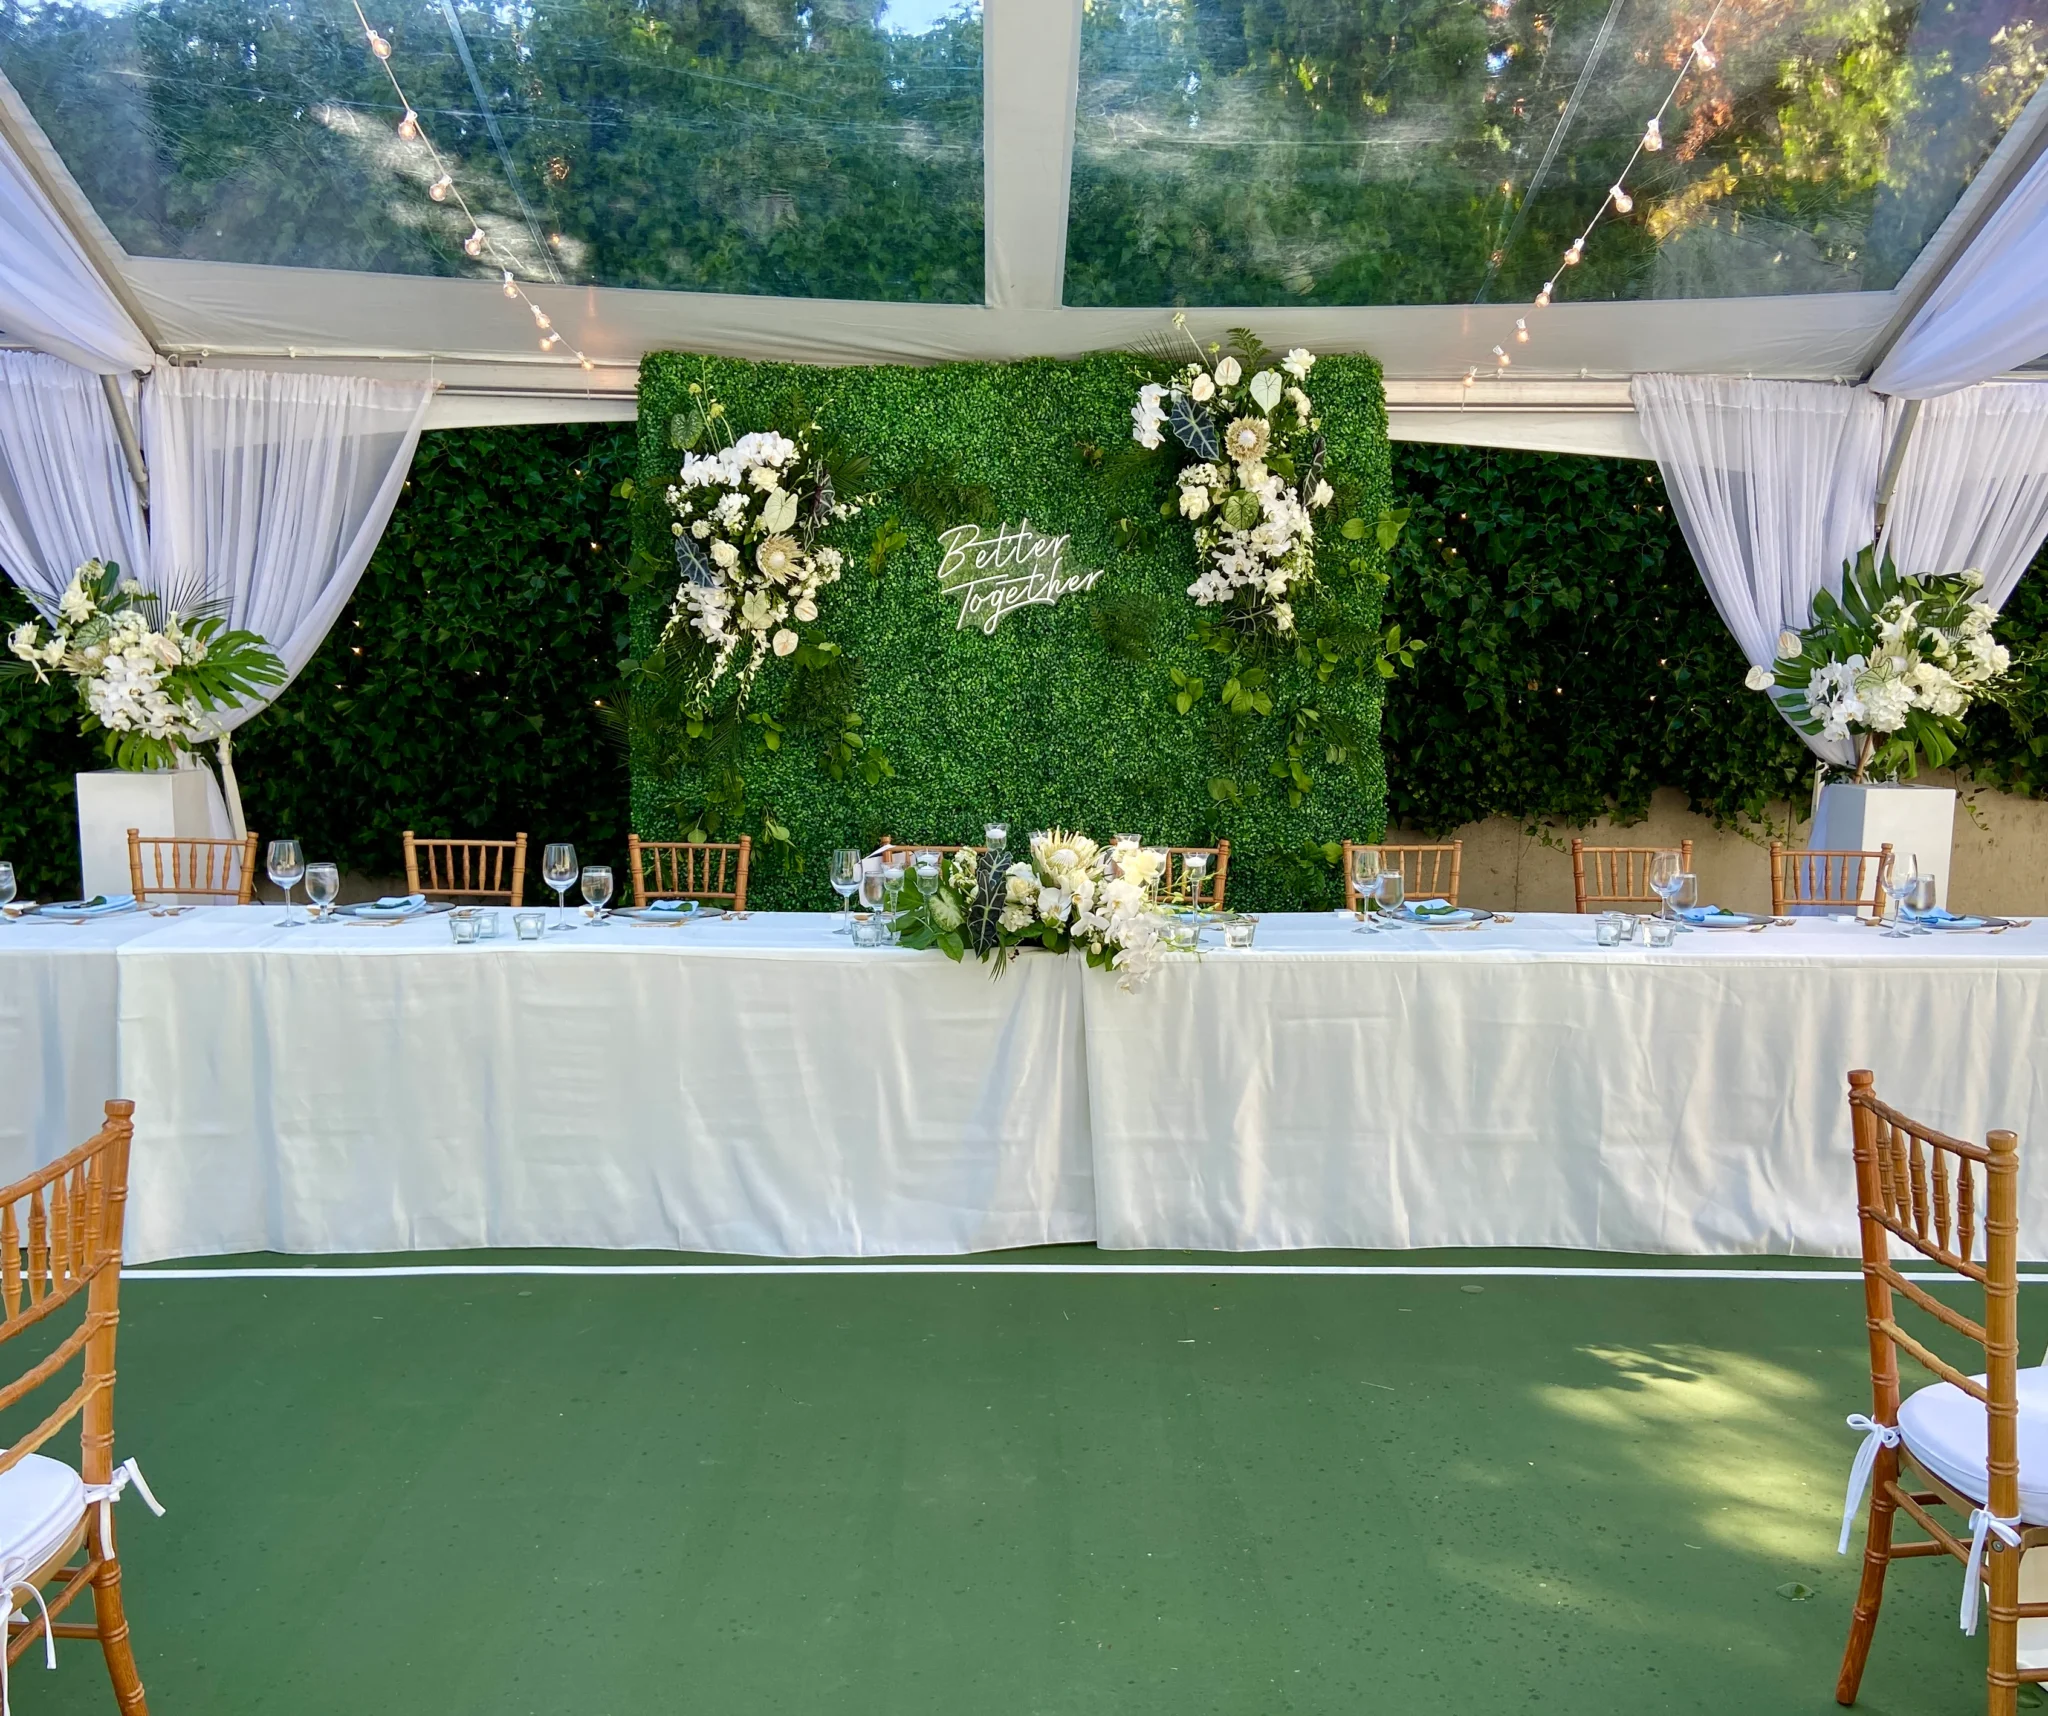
1068, 715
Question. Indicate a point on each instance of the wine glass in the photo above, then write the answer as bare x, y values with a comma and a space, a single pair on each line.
558, 870
323, 882
1902, 887
597, 888
1664, 874
927, 873
1389, 889
1365, 869
6, 890
845, 883
1922, 902
286, 864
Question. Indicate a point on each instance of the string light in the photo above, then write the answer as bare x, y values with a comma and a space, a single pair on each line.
1471, 375
1521, 330
1500, 356
1623, 202
1703, 56
1543, 297
442, 188
1653, 136
1576, 254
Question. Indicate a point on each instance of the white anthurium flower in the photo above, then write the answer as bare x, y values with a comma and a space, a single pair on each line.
1228, 373
806, 610
1790, 643
1759, 679
785, 642
1266, 386
1203, 388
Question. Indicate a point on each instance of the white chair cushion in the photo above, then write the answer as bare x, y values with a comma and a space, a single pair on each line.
41, 1503
1943, 1429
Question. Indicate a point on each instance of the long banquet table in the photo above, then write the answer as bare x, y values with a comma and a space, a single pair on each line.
763, 1087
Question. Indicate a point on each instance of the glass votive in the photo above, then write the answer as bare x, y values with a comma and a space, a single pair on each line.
1239, 931
1630, 923
529, 925
1607, 929
462, 928
1659, 932
870, 931
487, 926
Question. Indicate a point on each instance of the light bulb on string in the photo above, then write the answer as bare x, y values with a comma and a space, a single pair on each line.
1471, 376
1653, 137
474, 243
1500, 356
1573, 256
540, 316
511, 291
1623, 202
584, 361
1543, 297
440, 188
1703, 56
1521, 330
409, 126
379, 46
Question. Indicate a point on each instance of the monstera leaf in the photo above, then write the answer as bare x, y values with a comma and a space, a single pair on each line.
1192, 426
692, 564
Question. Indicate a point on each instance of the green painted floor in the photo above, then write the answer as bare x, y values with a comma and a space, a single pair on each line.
1012, 1496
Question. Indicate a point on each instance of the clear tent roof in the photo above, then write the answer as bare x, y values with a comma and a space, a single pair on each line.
874, 178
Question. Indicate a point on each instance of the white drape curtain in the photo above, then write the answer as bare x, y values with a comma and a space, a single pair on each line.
1973, 488
1774, 486
51, 295
1990, 312
65, 492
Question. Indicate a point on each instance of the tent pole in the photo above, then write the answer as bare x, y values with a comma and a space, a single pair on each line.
1894, 461
124, 428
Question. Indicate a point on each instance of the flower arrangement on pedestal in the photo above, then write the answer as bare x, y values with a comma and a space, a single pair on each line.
1894, 663
746, 520
1256, 475
153, 681
1069, 893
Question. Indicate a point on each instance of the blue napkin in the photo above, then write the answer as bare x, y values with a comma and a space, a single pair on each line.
1708, 914
1942, 915
98, 906
681, 906
394, 906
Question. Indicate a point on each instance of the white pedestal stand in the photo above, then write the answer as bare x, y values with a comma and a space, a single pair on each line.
183, 801
1915, 819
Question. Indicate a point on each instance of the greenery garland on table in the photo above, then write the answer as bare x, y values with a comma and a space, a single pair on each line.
1117, 707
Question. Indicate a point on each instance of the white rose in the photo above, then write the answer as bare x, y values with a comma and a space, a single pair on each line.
1299, 362
1760, 679
1228, 373
1193, 502
1202, 388
724, 554
762, 478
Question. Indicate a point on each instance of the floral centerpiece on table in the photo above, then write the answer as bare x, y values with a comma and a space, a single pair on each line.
1256, 473
1893, 664
152, 680
747, 516
1069, 893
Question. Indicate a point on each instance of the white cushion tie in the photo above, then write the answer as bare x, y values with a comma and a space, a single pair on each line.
14, 1574
1983, 1523
1875, 1436
110, 1492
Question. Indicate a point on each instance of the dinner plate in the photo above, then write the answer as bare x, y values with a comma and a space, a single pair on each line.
367, 911
1457, 915
1722, 921
84, 908
648, 915
1960, 923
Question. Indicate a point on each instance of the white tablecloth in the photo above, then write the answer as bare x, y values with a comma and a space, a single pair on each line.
763, 1087
1518, 1085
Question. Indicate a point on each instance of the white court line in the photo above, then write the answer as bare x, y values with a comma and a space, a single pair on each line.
1532, 1271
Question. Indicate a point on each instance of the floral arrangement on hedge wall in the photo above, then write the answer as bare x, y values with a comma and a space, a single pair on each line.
1257, 472
1894, 664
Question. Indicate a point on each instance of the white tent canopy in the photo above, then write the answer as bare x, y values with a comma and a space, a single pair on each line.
1043, 86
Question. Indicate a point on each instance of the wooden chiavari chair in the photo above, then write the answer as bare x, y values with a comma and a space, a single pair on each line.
1853, 879
1962, 1437
490, 871
173, 865
907, 849
1620, 874
713, 871
1427, 872
1207, 894
56, 1523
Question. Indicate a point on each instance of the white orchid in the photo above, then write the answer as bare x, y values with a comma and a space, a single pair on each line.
1148, 416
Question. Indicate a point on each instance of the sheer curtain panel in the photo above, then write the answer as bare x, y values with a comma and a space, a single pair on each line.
51, 295
65, 493
1990, 312
269, 492
1973, 489
1774, 486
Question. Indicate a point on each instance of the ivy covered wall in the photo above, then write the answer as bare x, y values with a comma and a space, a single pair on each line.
1573, 660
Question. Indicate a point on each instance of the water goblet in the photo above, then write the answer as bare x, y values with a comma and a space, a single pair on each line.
558, 870
871, 884
1901, 888
597, 888
6, 891
323, 883
1664, 874
1685, 894
286, 864
845, 883
1922, 902
1389, 889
